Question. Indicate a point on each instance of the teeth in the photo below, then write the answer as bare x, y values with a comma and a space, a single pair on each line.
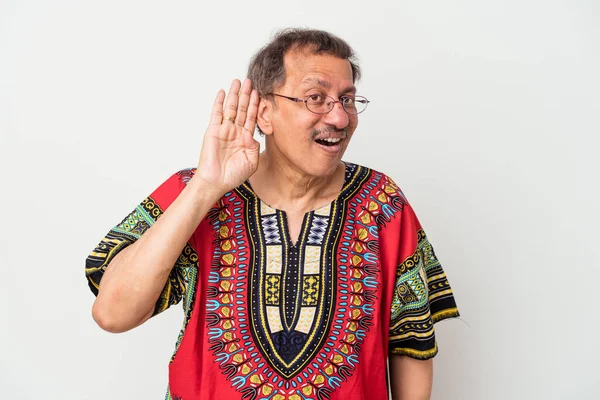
332, 140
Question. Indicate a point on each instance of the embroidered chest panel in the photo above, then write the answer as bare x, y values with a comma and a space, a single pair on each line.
287, 321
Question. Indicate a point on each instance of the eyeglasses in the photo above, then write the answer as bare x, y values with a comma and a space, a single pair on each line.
321, 104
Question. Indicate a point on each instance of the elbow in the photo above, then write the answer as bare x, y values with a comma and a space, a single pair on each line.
107, 320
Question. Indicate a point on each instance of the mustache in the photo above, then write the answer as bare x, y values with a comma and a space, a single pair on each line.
329, 129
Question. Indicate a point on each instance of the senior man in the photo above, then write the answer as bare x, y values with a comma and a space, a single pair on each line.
300, 274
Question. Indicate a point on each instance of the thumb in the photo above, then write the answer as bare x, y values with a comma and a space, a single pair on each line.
250, 143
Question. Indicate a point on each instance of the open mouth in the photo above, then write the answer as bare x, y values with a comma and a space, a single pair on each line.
329, 141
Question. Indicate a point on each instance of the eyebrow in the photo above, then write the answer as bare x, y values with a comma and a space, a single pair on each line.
326, 84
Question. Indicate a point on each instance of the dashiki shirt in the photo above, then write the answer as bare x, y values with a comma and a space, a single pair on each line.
269, 319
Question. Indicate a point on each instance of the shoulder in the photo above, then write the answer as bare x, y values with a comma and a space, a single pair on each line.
377, 181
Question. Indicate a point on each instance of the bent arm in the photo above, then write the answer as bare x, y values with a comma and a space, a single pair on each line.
134, 279
410, 379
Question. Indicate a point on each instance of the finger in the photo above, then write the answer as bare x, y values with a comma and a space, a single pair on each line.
242, 108
216, 115
250, 124
231, 102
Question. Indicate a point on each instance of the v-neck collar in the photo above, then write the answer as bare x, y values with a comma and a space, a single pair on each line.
353, 174
351, 171
303, 228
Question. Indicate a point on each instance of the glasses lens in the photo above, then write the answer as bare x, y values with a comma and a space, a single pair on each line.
318, 103
321, 104
355, 105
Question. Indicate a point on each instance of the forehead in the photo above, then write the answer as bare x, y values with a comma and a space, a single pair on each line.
303, 67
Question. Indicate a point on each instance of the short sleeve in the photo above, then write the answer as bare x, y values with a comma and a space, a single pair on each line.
132, 227
422, 295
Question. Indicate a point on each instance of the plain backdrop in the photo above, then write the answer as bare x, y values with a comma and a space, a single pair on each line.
486, 113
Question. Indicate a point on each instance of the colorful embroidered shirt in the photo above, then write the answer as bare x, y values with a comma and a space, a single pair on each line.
267, 319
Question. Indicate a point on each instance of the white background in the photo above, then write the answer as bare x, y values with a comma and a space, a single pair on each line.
484, 112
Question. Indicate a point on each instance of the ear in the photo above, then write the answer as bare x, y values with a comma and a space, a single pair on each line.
263, 118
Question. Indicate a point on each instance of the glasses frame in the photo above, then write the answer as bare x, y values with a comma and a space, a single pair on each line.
333, 102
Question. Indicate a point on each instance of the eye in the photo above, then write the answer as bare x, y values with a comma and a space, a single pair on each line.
348, 100
316, 98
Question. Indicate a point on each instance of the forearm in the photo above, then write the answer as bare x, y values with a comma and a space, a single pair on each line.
410, 379
135, 278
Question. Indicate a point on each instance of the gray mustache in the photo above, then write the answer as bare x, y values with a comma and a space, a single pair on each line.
318, 132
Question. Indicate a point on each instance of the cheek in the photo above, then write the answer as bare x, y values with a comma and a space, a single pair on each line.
311, 121
352, 124
305, 125
300, 120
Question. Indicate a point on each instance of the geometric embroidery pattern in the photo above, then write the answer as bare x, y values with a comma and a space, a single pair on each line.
310, 290
313, 364
422, 296
270, 229
272, 290
317, 230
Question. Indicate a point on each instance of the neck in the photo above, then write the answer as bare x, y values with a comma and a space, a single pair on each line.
284, 186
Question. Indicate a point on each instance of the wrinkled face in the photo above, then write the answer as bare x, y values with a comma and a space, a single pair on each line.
312, 143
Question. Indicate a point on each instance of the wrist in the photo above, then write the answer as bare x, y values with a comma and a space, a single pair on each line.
205, 190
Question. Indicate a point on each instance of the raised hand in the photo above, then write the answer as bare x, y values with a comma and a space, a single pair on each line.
229, 152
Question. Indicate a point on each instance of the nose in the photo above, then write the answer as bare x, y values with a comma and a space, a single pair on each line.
337, 117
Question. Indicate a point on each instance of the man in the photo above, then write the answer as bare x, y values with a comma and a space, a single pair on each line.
299, 273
